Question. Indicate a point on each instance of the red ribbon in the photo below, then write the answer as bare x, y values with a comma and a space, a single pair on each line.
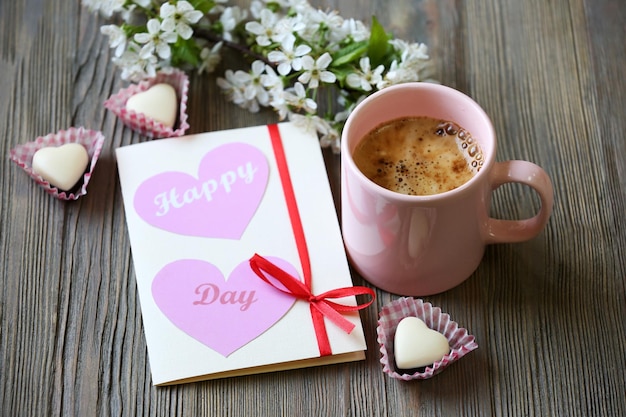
320, 305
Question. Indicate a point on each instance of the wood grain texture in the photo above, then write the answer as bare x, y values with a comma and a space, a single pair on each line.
548, 314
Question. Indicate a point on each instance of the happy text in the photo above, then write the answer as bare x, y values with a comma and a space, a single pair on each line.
175, 199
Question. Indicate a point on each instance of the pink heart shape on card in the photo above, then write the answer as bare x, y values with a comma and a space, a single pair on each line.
219, 202
222, 314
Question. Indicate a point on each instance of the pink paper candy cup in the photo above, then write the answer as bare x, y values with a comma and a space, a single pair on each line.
460, 341
92, 140
146, 125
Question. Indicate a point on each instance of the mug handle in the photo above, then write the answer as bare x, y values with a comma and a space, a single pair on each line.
524, 172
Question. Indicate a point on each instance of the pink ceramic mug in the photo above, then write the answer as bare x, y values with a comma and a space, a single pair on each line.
422, 245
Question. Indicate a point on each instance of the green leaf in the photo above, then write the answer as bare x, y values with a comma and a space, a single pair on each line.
202, 5
185, 51
131, 30
349, 53
274, 7
341, 73
378, 45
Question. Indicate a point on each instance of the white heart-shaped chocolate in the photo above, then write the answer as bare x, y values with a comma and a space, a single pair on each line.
159, 102
416, 345
62, 166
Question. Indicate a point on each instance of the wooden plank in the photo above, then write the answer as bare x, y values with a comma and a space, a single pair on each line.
547, 314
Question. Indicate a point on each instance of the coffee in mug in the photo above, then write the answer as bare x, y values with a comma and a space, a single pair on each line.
434, 240
418, 155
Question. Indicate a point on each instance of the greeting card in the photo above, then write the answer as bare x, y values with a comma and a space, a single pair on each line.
238, 256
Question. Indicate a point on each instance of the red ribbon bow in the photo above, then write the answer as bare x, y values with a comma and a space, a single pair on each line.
320, 305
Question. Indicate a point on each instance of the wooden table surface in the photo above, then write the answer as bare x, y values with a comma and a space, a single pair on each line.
548, 314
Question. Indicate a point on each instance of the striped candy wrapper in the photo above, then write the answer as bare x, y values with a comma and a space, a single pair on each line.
92, 140
146, 125
460, 341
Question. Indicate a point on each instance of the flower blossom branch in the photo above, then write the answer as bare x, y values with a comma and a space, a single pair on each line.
300, 56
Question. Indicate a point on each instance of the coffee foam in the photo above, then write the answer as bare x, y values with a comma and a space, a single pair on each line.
418, 156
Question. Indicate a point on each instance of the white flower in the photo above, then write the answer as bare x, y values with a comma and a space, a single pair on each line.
299, 6
218, 7
234, 86
331, 20
271, 80
254, 88
322, 23
366, 77
412, 66
410, 52
155, 40
256, 7
283, 4
127, 13
106, 7
305, 122
210, 58
289, 27
117, 38
177, 18
229, 19
265, 29
297, 97
245, 88
356, 30
279, 104
274, 85
332, 139
288, 58
134, 67
230, 85
316, 125
315, 71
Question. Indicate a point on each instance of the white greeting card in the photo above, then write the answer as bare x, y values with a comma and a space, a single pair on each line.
238, 255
